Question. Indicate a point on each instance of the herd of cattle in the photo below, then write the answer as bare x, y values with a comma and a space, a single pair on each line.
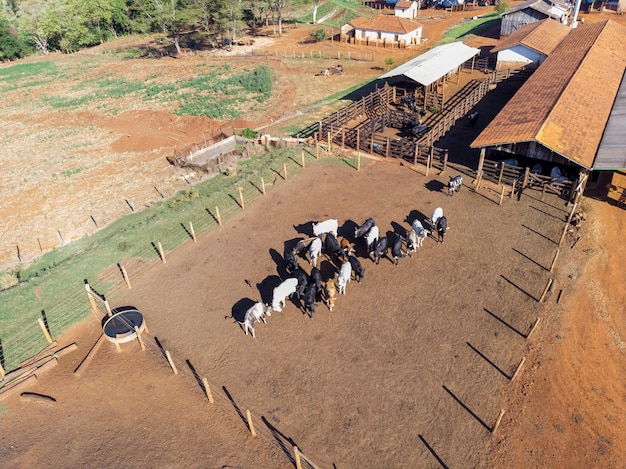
341, 253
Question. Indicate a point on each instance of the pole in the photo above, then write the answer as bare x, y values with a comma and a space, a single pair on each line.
143, 347
92, 301
296, 453
207, 389
161, 253
263, 186
303, 164
171, 362
358, 160
217, 214
250, 425
556, 254
569, 219
193, 233
285, 170
45, 330
243, 204
501, 195
545, 290
125, 276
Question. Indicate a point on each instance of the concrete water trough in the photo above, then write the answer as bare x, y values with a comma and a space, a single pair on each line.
120, 327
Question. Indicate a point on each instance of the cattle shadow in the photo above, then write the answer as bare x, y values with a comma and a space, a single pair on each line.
435, 186
238, 310
417, 215
398, 229
266, 288
304, 228
347, 229
279, 260
328, 270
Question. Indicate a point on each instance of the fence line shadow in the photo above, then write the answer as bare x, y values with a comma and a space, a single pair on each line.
186, 230
504, 322
462, 404
518, 287
540, 234
236, 407
197, 377
531, 260
488, 360
432, 451
281, 439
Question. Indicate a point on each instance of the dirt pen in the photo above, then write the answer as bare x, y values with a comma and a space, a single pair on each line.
411, 366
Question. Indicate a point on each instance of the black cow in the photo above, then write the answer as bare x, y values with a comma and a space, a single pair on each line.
290, 261
442, 226
316, 278
396, 249
310, 293
381, 249
357, 268
332, 246
361, 231
303, 281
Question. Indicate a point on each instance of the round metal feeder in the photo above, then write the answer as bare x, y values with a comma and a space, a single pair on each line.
120, 327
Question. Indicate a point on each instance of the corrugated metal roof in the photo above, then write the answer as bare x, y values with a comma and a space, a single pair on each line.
386, 23
612, 149
553, 9
434, 64
566, 103
541, 36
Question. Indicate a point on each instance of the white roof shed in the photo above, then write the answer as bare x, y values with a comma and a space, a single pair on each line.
434, 64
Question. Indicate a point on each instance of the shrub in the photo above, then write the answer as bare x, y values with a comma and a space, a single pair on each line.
249, 133
501, 7
318, 35
435, 109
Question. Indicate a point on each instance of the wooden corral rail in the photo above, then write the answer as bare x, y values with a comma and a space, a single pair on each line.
456, 108
521, 178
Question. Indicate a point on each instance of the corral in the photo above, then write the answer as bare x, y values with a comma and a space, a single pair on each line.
432, 343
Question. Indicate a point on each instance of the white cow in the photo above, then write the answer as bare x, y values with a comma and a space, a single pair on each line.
282, 291
315, 249
345, 272
435, 216
328, 226
420, 233
255, 314
371, 238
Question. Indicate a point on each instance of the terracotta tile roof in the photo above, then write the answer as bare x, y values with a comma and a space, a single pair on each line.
386, 23
566, 103
541, 36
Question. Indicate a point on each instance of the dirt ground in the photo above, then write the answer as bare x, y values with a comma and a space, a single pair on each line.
410, 368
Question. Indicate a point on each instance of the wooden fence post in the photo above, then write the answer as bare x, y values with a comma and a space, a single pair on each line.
92, 300
193, 233
125, 276
445, 161
569, 219
45, 330
143, 347
416, 154
358, 160
358, 139
501, 174
243, 203
501, 195
519, 367
207, 389
556, 254
250, 424
498, 420
545, 290
107, 307
296, 454
285, 170
2, 371
171, 362
532, 329
262, 186
303, 163
217, 214
161, 253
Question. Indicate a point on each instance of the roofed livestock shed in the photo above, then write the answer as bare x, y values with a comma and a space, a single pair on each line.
431, 70
559, 118
532, 11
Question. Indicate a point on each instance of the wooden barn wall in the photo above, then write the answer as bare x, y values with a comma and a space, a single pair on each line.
512, 22
534, 150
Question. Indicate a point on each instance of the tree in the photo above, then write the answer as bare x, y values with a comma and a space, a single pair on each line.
316, 5
277, 7
318, 35
12, 44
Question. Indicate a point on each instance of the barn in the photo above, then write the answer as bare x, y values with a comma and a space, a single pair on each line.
383, 29
406, 9
429, 72
560, 119
532, 11
529, 45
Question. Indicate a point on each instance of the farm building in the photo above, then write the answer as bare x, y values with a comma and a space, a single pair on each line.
429, 72
406, 9
611, 5
558, 119
529, 45
532, 11
383, 29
